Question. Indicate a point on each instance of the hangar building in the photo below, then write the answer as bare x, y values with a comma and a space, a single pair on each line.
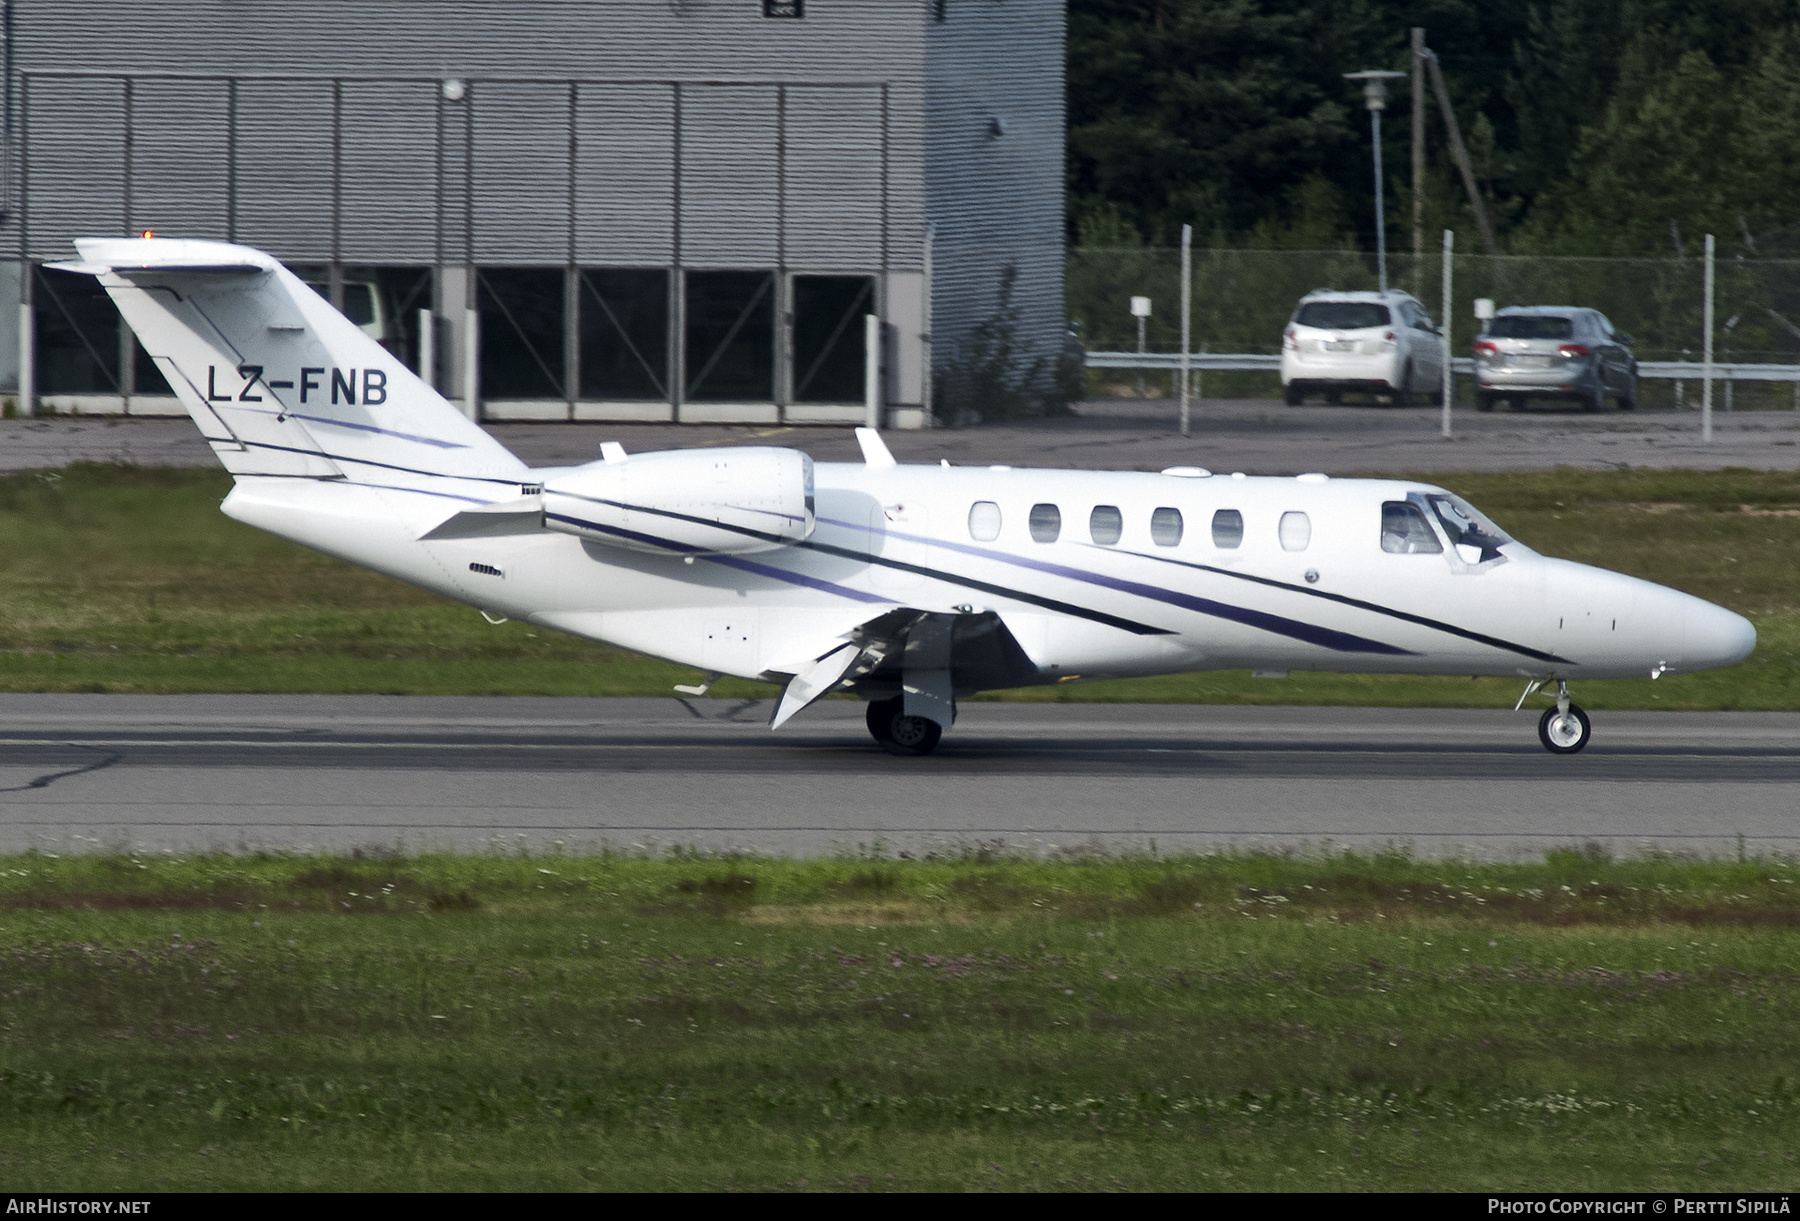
570, 209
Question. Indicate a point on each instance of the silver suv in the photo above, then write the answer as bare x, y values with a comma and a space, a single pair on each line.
1377, 343
1553, 352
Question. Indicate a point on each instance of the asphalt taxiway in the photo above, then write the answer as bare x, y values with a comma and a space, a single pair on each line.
307, 773
1256, 436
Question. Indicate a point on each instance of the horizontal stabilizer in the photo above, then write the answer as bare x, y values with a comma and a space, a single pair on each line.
129, 256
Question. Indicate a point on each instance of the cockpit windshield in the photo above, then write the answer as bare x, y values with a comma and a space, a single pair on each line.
1466, 526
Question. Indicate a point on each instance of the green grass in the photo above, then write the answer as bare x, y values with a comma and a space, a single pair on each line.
129, 579
1224, 1022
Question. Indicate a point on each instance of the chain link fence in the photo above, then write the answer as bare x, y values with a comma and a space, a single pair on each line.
1243, 298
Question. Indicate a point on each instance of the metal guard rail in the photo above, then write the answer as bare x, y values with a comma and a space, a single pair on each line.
1253, 362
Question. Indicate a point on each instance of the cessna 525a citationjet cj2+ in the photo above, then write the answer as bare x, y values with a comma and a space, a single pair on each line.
906, 585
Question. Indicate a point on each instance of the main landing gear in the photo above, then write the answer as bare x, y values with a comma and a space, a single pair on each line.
898, 733
1565, 728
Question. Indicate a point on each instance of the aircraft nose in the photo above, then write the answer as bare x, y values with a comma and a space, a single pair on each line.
1715, 636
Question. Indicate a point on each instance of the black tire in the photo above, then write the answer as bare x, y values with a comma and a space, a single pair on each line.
1627, 399
1334, 397
880, 716
1294, 396
898, 733
1484, 402
1595, 401
1564, 735
1519, 403
1402, 397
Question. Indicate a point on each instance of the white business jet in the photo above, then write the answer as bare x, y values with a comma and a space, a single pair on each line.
907, 585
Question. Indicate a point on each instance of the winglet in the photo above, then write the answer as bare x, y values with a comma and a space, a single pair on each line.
611, 452
874, 450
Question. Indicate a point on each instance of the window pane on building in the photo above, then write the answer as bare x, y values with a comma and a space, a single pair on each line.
521, 332
1105, 524
1045, 523
625, 333
146, 378
1165, 527
77, 335
385, 302
828, 337
730, 336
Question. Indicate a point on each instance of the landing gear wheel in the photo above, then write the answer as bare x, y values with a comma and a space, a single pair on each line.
898, 733
1294, 396
1564, 733
880, 715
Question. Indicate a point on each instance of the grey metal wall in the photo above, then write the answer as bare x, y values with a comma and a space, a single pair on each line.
592, 132
106, 156
994, 173
799, 175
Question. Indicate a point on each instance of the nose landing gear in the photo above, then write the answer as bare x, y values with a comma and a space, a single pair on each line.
1565, 728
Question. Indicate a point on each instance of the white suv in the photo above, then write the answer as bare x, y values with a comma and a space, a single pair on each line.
1376, 343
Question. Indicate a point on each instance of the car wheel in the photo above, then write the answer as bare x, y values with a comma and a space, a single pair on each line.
1335, 397
1595, 401
1294, 396
1627, 399
1520, 403
1484, 402
1401, 397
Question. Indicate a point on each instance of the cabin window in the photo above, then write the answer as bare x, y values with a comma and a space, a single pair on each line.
1045, 523
1105, 524
1228, 528
1165, 527
984, 521
1404, 530
1296, 531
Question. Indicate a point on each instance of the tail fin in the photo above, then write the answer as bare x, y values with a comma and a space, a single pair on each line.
278, 381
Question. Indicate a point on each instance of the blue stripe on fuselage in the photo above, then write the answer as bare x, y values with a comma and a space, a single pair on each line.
1310, 633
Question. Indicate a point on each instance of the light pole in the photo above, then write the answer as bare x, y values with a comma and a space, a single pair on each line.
1375, 98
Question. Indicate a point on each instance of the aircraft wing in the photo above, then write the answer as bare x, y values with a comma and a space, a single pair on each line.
926, 656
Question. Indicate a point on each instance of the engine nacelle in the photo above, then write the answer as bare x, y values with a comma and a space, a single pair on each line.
725, 501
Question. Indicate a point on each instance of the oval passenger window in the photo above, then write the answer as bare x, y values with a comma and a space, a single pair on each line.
1045, 523
1296, 531
984, 521
1228, 528
1105, 524
1165, 527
